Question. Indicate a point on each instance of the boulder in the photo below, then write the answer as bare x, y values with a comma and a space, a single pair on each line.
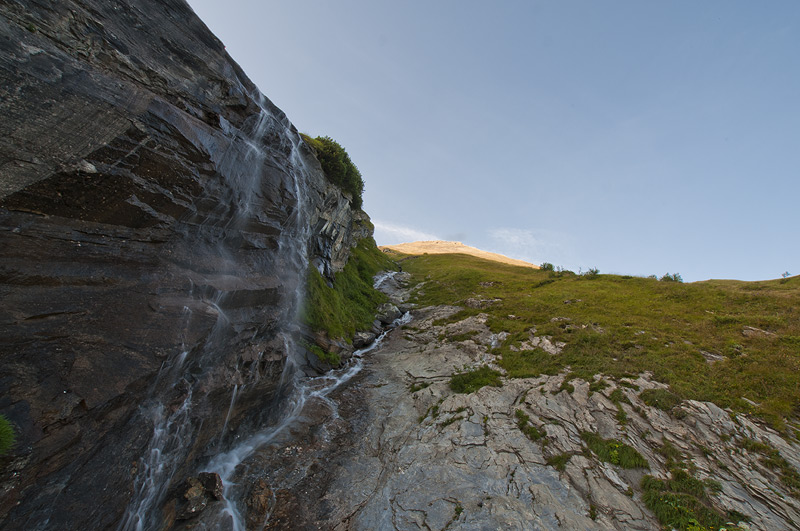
363, 339
387, 313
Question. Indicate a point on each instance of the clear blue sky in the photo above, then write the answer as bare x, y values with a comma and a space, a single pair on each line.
636, 137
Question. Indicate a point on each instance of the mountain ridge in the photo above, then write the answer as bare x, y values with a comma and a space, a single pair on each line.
453, 247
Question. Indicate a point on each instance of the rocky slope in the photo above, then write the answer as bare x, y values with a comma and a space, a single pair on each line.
156, 216
403, 451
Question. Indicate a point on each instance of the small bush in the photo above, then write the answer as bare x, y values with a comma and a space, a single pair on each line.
547, 266
7, 435
675, 277
338, 167
592, 272
472, 380
660, 398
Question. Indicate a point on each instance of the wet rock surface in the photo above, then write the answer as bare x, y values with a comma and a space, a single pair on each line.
155, 215
405, 452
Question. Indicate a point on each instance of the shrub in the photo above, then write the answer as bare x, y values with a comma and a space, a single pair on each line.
472, 380
591, 272
338, 167
675, 277
7, 435
547, 266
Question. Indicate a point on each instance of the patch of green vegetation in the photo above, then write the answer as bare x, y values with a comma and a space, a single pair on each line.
614, 452
337, 166
772, 459
617, 396
566, 385
472, 380
455, 338
597, 386
331, 358
418, 386
350, 303
7, 435
681, 502
525, 426
592, 511
672, 454
433, 411
447, 422
559, 462
680, 319
660, 398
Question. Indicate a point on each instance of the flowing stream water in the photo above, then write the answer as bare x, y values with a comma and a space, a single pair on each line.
304, 389
217, 240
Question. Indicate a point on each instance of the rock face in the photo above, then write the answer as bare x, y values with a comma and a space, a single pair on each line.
156, 216
403, 451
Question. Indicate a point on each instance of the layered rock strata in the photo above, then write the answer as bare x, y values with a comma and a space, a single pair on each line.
403, 451
156, 216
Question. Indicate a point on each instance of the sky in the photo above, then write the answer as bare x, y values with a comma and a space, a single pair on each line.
633, 137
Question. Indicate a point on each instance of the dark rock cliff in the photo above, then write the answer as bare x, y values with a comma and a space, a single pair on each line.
156, 216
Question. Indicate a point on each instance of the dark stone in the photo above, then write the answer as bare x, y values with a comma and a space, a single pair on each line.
130, 233
362, 339
387, 313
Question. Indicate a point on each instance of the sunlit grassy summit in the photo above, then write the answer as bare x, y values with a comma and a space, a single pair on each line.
733, 343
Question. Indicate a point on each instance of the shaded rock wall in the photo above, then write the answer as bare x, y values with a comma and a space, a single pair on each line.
156, 213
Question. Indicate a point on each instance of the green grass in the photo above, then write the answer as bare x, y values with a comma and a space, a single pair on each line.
647, 325
680, 503
330, 358
350, 304
772, 459
7, 435
472, 380
614, 452
559, 462
418, 386
660, 398
524, 424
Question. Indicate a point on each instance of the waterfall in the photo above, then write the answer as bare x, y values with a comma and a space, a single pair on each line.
304, 389
214, 245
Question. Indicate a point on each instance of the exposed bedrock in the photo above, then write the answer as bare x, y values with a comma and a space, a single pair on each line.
156, 216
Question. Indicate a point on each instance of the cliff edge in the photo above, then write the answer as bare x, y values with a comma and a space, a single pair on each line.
157, 213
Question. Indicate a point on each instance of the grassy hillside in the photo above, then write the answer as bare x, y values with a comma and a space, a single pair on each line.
733, 343
347, 304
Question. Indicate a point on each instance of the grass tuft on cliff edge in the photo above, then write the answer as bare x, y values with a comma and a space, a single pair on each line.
349, 304
733, 343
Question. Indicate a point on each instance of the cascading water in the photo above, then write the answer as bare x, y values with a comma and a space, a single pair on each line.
216, 241
304, 390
